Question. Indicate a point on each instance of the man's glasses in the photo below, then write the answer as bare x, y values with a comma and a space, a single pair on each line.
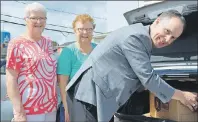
85, 29
35, 19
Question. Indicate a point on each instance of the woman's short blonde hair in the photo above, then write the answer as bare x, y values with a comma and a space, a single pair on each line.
34, 7
83, 18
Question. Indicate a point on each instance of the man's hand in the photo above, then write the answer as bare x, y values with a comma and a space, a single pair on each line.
187, 98
190, 100
67, 119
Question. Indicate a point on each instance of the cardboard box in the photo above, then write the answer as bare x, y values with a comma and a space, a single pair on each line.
173, 110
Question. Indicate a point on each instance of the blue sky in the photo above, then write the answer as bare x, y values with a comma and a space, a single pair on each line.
108, 16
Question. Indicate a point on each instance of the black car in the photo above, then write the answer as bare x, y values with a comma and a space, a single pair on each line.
176, 64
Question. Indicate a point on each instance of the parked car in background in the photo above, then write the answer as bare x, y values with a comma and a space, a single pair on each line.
6, 106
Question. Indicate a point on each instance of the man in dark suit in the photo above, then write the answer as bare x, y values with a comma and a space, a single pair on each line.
120, 65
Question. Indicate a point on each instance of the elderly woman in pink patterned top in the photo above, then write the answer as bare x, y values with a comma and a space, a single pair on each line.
31, 70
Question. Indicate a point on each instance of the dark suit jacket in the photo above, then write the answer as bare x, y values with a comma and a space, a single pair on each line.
116, 68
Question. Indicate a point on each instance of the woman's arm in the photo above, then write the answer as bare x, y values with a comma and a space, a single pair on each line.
14, 95
63, 80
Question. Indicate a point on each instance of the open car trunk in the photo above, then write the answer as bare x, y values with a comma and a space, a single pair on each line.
135, 109
176, 64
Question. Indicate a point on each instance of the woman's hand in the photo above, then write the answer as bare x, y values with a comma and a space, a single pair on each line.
67, 119
19, 117
14, 95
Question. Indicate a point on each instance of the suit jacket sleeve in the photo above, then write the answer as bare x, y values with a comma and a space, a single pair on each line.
138, 56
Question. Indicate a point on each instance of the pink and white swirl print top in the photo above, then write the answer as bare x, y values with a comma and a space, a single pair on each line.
36, 64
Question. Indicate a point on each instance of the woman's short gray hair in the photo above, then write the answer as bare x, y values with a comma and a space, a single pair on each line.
34, 7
